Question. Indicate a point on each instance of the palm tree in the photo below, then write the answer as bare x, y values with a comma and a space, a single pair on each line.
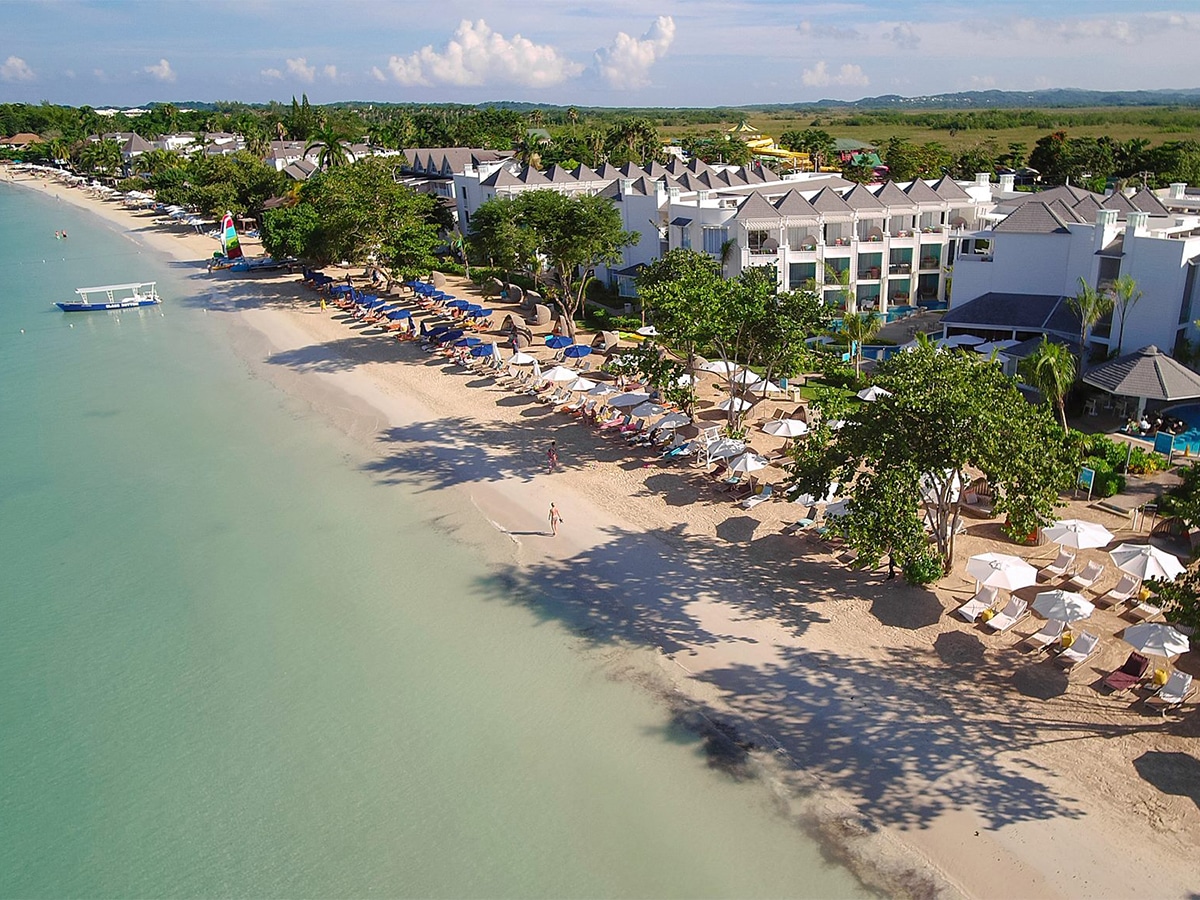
529, 148
841, 279
860, 328
573, 118
1091, 306
1050, 369
331, 151
1125, 296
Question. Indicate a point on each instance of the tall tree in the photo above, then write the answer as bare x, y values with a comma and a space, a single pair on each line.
329, 142
1125, 297
1090, 306
1050, 370
860, 328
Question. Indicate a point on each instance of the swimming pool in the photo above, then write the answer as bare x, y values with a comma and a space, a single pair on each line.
1188, 440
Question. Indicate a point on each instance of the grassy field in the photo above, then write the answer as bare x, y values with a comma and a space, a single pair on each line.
1154, 124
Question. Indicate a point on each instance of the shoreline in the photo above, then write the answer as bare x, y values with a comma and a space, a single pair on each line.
771, 639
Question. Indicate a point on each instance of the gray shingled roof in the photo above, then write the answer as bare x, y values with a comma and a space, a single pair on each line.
947, 188
860, 198
830, 204
1119, 202
556, 174
1068, 213
501, 178
1147, 373
1086, 208
891, 195
757, 207
1032, 218
794, 205
920, 192
1148, 202
530, 175
584, 173
1022, 312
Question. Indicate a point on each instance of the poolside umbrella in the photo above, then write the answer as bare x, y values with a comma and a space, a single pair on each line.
1155, 639
764, 388
582, 384
836, 424
720, 367
560, 375
1065, 606
558, 341
629, 398
458, 304
480, 312
1001, 570
788, 428
1078, 534
452, 335
576, 351
467, 342
736, 403
471, 310
483, 350
748, 462
1147, 562
649, 408
673, 420
872, 393
685, 380
521, 359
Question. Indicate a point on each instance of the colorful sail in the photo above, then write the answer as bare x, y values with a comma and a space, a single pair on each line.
229, 238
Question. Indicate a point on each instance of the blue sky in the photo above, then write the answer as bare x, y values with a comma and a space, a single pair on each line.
614, 53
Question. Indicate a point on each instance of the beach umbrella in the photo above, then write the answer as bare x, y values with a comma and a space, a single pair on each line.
629, 398
747, 377
582, 384
872, 393
468, 342
1065, 606
1156, 639
720, 367
521, 359
458, 304
836, 424
471, 309
481, 312
483, 350
399, 314
452, 335
1001, 570
560, 375
725, 448
748, 462
602, 390
648, 331
673, 420
837, 508
648, 409
576, 351
788, 428
736, 403
1078, 534
1147, 562
558, 341
764, 388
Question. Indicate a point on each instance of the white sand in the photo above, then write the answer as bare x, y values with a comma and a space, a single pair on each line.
936, 758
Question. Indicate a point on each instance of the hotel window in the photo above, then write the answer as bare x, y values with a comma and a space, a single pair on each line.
755, 240
714, 239
685, 238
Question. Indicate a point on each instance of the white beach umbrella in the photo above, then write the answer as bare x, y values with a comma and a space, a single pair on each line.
837, 508
725, 448
836, 424
1156, 639
746, 376
673, 420
736, 403
762, 388
872, 393
560, 375
521, 359
648, 331
1078, 534
583, 384
748, 462
602, 390
648, 409
629, 398
720, 367
1065, 606
1147, 562
788, 428
1001, 570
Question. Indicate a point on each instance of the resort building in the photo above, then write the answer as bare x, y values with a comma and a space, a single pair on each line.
1015, 278
433, 170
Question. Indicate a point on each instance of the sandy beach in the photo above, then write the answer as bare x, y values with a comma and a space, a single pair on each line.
934, 758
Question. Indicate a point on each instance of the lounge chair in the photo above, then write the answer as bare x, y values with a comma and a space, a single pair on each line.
1090, 575
1013, 612
1083, 647
1142, 612
616, 422
1123, 590
1129, 674
1061, 564
983, 599
1172, 694
1047, 635
762, 496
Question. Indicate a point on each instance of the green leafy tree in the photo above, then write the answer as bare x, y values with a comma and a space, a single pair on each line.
860, 328
883, 520
499, 235
1125, 296
1050, 370
290, 231
1090, 306
946, 413
1180, 600
331, 149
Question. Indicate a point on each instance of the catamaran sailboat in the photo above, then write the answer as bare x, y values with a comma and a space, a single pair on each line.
113, 296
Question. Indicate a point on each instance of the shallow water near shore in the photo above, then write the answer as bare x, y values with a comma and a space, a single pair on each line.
234, 663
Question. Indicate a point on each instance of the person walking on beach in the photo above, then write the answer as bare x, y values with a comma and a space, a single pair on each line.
552, 457
555, 520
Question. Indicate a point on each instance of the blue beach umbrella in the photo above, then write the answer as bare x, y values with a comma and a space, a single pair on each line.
471, 310
481, 313
467, 342
577, 351
452, 335
483, 350
558, 341
399, 314
455, 303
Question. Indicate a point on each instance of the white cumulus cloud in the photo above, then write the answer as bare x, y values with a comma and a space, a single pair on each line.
833, 32
475, 55
16, 69
331, 72
626, 62
271, 73
377, 74
300, 68
848, 75
161, 70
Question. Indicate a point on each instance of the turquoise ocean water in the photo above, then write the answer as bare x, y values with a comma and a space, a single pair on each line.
233, 663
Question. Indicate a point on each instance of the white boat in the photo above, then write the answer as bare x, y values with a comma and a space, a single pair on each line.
113, 296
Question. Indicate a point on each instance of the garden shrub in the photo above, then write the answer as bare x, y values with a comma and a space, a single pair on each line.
923, 569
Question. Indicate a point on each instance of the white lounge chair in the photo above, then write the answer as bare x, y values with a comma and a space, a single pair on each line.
1172, 694
984, 599
1062, 562
1013, 613
1082, 647
1043, 638
1142, 612
1090, 575
754, 499
1120, 592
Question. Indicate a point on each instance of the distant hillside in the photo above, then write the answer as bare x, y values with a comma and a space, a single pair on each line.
1048, 99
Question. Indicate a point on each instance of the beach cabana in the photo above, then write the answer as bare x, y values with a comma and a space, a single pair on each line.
1147, 374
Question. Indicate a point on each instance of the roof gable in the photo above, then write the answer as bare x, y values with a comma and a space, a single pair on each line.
861, 199
793, 204
948, 189
1035, 217
829, 203
756, 206
920, 192
1148, 202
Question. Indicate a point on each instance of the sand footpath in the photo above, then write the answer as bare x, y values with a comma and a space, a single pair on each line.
936, 759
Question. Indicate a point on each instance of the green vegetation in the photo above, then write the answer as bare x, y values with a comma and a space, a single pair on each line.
1050, 370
